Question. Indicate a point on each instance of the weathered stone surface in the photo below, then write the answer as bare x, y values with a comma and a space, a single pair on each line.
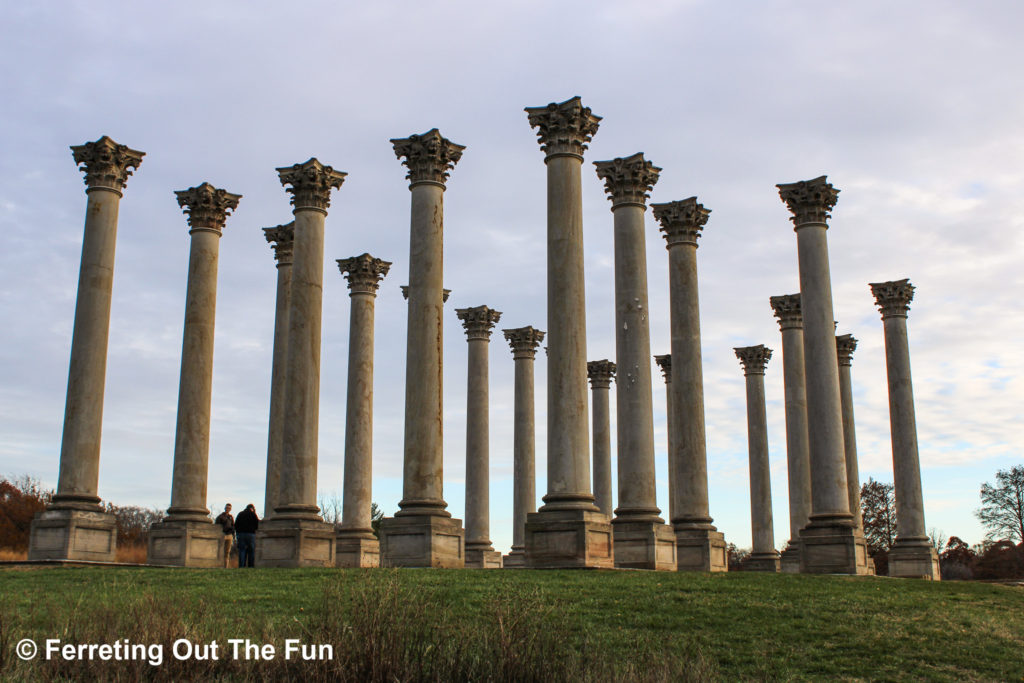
311, 184
353, 551
70, 534
700, 550
282, 239
601, 373
106, 164
569, 539
186, 543
422, 541
295, 542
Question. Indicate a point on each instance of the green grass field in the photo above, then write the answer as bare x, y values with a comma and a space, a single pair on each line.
520, 625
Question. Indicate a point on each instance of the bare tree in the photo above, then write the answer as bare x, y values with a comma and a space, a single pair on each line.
878, 508
938, 539
1002, 505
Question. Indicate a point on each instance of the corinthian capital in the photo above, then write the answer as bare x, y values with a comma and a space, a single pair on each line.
563, 128
810, 201
311, 184
628, 181
363, 273
893, 298
600, 373
429, 157
787, 309
754, 358
681, 221
845, 346
524, 341
478, 321
207, 207
105, 163
282, 238
665, 364
445, 293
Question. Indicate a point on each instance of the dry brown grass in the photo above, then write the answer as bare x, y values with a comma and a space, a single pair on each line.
135, 554
11, 555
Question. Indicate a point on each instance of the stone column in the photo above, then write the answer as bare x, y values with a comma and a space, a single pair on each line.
297, 536
764, 557
74, 526
912, 554
422, 533
665, 364
798, 456
282, 237
524, 342
187, 537
830, 543
642, 539
601, 373
356, 544
568, 531
699, 545
480, 554
845, 346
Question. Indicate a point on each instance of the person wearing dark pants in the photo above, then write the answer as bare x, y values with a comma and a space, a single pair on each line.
245, 529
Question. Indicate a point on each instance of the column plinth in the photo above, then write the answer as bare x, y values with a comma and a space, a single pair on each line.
282, 238
568, 531
296, 536
523, 342
699, 545
830, 543
912, 555
764, 557
798, 458
423, 533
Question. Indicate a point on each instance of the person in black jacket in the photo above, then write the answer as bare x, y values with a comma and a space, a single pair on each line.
245, 529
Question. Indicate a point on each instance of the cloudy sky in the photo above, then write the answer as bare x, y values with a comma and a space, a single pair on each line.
913, 109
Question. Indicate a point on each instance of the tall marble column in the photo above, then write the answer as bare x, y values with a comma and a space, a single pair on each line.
569, 530
282, 238
764, 557
830, 543
478, 323
297, 536
524, 342
356, 544
912, 554
699, 545
798, 456
423, 533
74, 526
845, 346
642, 539
664, 362
601, 373
187, 537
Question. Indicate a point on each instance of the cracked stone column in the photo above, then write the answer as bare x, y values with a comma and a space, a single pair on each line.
912, 554
764, 557
664, 362
830, 543
845, 346
356, 544
73, 526
642, 539
281, 237
569, 530
699, 545
423, 533
601, 373
478, 323
798, 458
524, 342
187, 537
297, 536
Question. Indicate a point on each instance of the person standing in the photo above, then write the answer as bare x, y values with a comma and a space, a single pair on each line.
245, 526
227, 525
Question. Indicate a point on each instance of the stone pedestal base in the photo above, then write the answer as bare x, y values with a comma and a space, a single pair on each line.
762, 562
831, 547
514, 560
68, 534
791, 559
186, 544
914, 560
700, 550
644, 545
356, 550
422, 541
483, 559
569, 539
290, 542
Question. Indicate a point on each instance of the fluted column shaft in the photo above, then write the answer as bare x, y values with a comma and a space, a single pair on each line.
282, 236
601, 374
845, 346
762, 527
